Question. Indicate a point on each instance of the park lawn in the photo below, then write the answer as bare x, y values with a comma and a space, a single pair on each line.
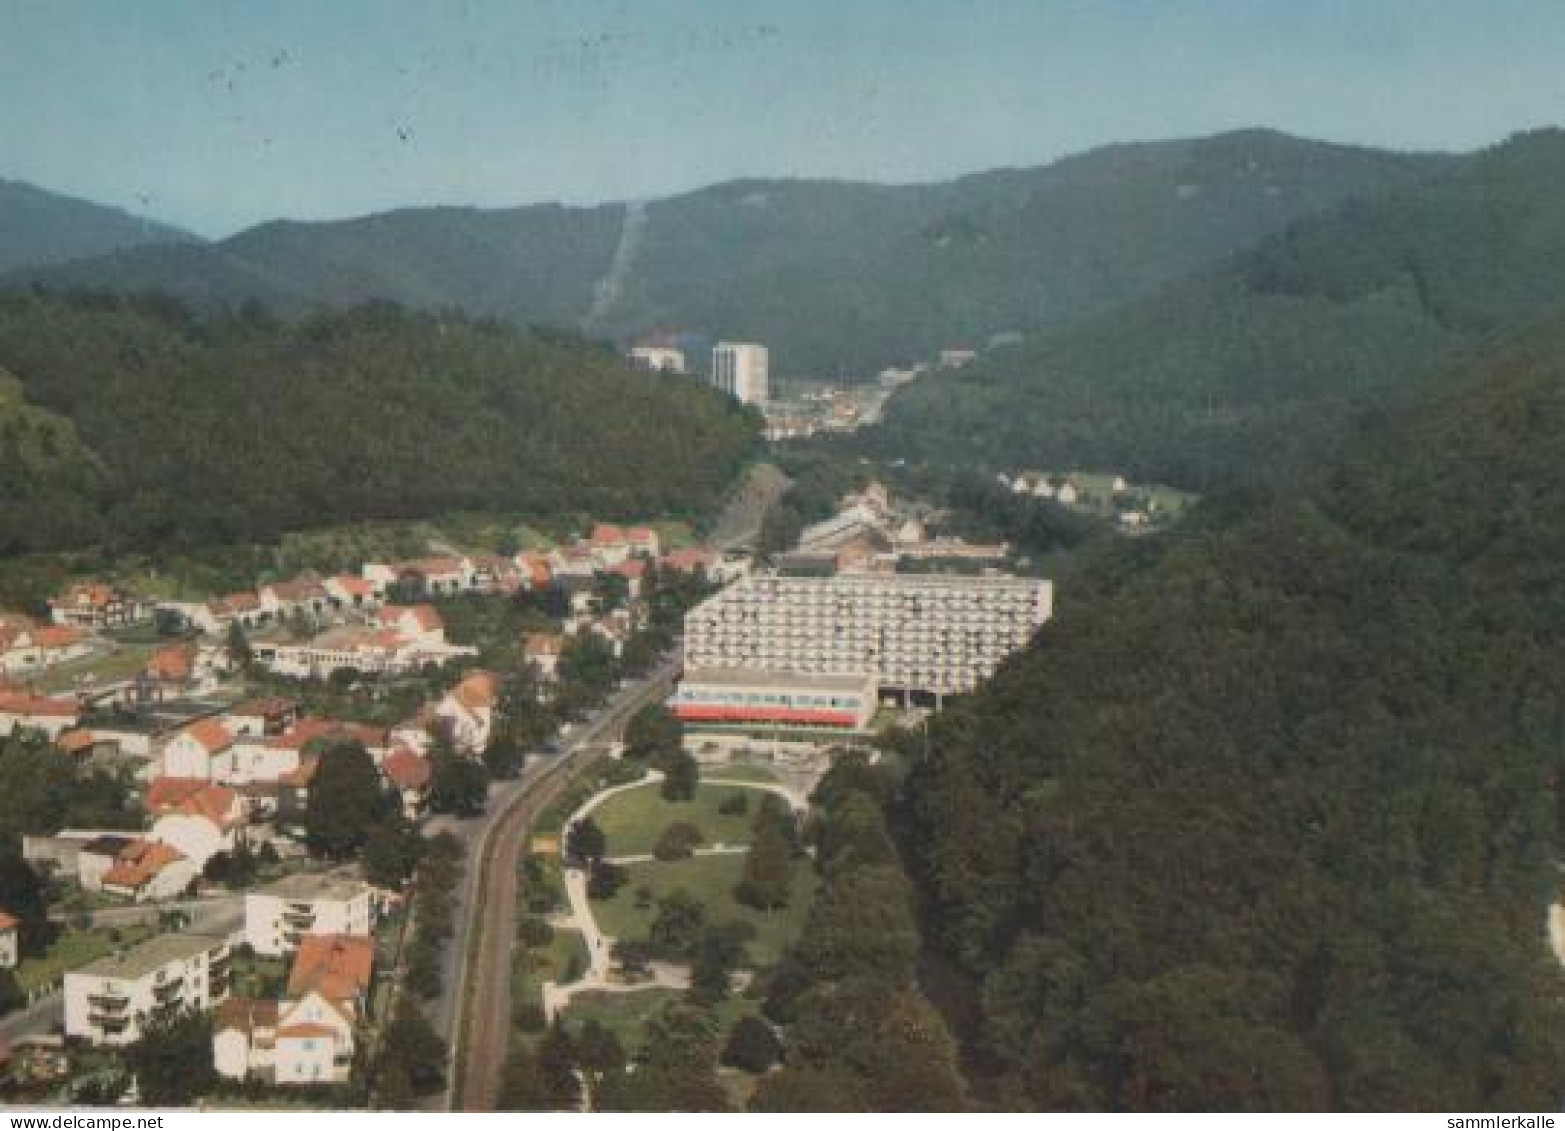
740, 773
632, 821
531, 968
74, 949
624, 1013
711, 880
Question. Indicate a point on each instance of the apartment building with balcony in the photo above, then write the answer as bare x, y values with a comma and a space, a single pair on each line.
279, 915
108, 1002
933, 634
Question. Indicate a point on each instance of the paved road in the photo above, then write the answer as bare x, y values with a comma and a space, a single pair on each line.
487, 901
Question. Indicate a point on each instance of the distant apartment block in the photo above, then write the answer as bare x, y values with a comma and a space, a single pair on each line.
740, 369
107, 1002
912, 633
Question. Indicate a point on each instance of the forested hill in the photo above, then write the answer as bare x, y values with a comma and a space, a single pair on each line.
833, 276
1255, 368
39, 228
131, 423
1267, 817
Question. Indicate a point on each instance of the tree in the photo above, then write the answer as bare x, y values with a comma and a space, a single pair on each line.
172, 1059
12, 996
751, 1046
680, 1069
23, 895
717, 953
677, 842
504, 757
605, 879
681, 776
557, 1068
768, 869
677, 926
239, 650
653, 732
391, 852
598, 1051
412, 1053
457, 785
585, 842
346, 801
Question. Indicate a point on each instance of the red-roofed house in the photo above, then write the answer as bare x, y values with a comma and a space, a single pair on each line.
408, 771
609, 544
467, 711
414, 623
204, 750
643, 540
244, 1035
693, 560
95, 605
349, 592
135, 867
196, 817
10, 945
53, 715
543, 650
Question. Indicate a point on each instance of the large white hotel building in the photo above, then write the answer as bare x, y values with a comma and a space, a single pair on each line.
908, 632
740, 369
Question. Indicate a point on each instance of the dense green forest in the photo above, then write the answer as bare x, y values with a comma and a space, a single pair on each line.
835, 277
130, 423
1256, 368
1267, 817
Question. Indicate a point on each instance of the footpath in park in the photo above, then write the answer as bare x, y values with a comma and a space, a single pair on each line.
601, 975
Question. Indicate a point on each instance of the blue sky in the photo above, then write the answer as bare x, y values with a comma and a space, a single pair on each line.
216, 114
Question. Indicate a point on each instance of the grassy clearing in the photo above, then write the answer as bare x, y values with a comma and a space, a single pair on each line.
122, 663
740, 773
77, 948
711, 880
624, 1013
633, 820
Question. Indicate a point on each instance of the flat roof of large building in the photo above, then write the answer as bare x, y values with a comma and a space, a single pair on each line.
308, 885
769, 678
151, 955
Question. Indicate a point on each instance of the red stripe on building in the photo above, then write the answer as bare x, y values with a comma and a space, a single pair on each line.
696, 713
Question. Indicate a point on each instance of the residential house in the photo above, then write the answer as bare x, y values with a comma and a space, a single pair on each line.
328, 991
97, 605
608, 544
280, 915
302, 595
195, 817
136, 868
543, 650
244, 1038
644, 541
349, 592
108, 1002
21, 710
10, 942
691, 560
467, 712
204, 749
408, 771
413, 623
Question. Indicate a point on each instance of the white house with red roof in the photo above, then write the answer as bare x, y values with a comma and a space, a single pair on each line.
413, 623
409, 772
348, 592
204, 750
467, 711
309, 1037
197, 817
644, 541
97, 604
10, 942
21, 710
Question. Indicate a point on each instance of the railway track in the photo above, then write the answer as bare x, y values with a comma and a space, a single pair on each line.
483, 1026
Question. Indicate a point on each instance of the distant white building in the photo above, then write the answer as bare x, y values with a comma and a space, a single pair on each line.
741, 369
658, 359
108, 1001
279, 915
